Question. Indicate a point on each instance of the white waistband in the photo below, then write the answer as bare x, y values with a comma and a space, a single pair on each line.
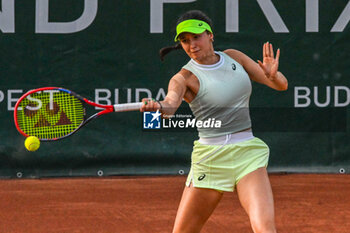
228, 139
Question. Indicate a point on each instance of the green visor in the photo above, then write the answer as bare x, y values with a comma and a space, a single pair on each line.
193, 26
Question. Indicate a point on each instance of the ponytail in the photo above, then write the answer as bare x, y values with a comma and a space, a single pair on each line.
164, 51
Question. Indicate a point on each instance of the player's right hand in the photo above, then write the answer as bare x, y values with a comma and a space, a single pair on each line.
149, 105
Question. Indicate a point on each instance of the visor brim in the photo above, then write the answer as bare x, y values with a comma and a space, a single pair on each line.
194, 30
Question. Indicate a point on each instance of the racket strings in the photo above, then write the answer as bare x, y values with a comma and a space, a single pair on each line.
50, 115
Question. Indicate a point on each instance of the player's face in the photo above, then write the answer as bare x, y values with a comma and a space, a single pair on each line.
197, 46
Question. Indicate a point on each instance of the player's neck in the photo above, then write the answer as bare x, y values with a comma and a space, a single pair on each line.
210, 59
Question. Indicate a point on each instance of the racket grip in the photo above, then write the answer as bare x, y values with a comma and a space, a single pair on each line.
127, 107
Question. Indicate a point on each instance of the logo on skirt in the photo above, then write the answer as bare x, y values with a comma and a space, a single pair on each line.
201, 177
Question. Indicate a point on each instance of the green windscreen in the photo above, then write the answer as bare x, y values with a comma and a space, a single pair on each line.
50, 114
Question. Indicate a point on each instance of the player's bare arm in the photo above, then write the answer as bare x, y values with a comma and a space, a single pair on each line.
175, 95
265, 72
173, 99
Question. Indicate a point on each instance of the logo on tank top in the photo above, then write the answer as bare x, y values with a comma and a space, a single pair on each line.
233, 65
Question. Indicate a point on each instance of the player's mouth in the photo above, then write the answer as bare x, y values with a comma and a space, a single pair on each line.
195, 53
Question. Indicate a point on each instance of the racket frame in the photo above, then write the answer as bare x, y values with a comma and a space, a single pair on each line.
106, 109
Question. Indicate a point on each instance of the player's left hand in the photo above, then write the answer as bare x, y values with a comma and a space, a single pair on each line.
270, 62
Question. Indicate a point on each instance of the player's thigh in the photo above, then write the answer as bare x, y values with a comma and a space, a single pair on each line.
255, 194
196, 206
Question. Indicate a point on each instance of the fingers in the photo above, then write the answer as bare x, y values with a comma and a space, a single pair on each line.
262, 66
271, 50
270, 63
267, 49
269, 53
278, 55
149, 105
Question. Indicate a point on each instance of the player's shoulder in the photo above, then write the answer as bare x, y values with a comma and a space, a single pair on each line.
181, 76
235, 54
188, 76
186, 73
184, 77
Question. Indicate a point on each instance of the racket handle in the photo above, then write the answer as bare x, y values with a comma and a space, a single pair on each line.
127, 107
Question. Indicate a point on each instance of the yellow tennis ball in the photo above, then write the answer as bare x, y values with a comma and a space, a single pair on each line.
32, 143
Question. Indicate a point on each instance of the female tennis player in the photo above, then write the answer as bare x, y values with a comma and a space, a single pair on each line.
218, 85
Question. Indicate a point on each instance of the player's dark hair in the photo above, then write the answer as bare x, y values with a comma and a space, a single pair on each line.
193, 14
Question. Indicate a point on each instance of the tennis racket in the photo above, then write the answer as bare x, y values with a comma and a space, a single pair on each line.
53, 113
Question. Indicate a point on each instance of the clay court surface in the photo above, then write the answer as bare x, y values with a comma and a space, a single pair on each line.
304, 203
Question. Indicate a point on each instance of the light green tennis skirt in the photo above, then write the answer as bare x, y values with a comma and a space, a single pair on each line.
221, 167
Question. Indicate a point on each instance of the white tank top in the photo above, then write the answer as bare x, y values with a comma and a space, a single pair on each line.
223, 95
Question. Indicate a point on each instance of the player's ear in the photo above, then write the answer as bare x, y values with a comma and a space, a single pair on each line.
211, 36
